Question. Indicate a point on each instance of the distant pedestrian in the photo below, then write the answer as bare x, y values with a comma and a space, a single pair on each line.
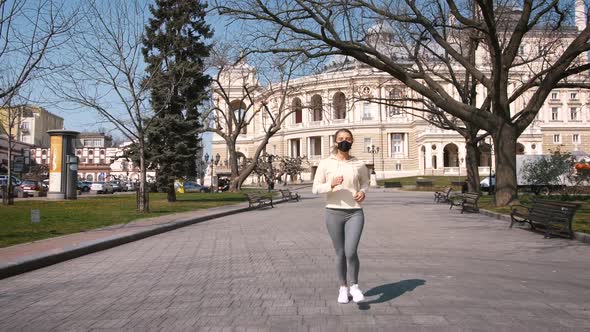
345, 181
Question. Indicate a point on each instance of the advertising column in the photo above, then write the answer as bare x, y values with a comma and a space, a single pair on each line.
62, 174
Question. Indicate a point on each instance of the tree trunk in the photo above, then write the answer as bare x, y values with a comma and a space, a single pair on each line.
10, 191
235, 183
171, 193
143, 201
472, 165
505, 153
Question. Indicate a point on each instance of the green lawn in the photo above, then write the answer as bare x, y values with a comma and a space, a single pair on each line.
438, 182
66, 217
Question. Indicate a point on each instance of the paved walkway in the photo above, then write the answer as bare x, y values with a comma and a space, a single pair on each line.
423, 267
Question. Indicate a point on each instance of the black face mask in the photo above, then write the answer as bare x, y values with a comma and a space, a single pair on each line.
344, 146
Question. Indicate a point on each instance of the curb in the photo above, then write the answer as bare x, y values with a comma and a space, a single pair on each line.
578, 236
36, 262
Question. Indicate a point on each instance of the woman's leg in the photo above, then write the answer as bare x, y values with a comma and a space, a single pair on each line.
335, 220
352, 235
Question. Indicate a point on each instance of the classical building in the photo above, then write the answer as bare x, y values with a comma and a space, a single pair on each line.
407, 144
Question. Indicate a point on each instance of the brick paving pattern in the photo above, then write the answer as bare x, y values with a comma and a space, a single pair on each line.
423, 268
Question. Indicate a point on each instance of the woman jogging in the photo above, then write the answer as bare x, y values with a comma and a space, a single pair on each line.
345, 181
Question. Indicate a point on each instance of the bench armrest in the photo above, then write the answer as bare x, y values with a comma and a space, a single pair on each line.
520, 209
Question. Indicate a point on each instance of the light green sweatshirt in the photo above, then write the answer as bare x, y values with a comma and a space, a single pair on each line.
355, 178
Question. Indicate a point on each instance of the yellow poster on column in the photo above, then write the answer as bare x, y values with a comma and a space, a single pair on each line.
55, 164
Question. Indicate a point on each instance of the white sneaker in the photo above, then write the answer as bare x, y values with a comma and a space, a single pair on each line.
343, 295
357, 295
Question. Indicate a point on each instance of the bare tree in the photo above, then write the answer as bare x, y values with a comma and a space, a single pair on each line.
30, 31
107, 74
426, 49
230, 114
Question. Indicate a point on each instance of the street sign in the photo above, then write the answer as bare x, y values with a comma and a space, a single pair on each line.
18, 167
35, 216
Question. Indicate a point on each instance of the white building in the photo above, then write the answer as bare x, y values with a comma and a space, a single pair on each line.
408, 145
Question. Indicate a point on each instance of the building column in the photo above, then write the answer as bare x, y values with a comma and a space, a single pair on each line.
428, 156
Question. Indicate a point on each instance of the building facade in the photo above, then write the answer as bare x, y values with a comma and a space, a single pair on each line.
30, 124
403, 143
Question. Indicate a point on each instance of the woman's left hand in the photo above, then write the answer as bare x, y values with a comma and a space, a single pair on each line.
359, 196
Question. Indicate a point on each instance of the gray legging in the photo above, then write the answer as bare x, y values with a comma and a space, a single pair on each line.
345, 227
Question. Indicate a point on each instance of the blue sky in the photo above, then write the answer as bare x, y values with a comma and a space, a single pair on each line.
81, 119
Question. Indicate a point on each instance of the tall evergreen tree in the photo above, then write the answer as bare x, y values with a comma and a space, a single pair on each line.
174, 48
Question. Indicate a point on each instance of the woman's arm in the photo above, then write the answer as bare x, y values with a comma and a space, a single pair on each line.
364, 178
320, 185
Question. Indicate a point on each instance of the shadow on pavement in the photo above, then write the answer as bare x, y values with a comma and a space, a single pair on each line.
389, 292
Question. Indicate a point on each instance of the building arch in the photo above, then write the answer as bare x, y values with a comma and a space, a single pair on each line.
339, 103
297, 108
239, 109
485, 155
520, 149
316, 107
451, 155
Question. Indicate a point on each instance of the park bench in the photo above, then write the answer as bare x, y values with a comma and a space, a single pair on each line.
392, 184
553, 217
288, 195
257, 201
442, 196
423, 183
467, 201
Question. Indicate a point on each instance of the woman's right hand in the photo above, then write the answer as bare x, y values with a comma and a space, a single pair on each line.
337, 181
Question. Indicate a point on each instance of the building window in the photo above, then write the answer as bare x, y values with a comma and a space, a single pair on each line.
339, 102
573, 113
93, 143
394, 99
573, 95
297, 109
316, 107
554, 95
556, 138
398, 167
295, 148
368, 143
315, 146
555, 113
397, 143
576, 138
367, 111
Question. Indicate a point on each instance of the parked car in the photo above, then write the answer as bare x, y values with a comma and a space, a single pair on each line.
191, 187
117, 186
84, 186
15, 181
223, 184
17, 191
32, 187
484, 184
131, 186
102, 187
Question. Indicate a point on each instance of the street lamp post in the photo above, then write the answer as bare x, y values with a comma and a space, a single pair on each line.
271, 181
214, 180
373, 150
